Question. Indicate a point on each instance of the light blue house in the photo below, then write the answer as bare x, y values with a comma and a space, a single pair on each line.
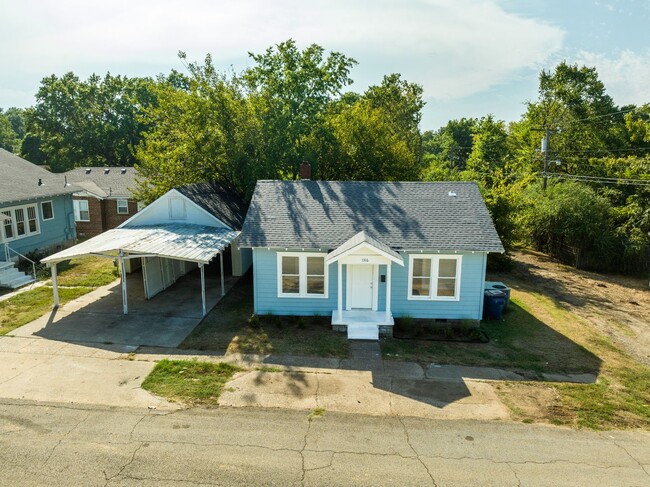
36, 214
365, 252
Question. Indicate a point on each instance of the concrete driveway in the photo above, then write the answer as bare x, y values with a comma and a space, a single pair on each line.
163, 321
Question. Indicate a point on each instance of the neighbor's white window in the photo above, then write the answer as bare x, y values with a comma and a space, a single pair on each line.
24, 222
47, 210
81, 213
302, 275
122, 207
434, 277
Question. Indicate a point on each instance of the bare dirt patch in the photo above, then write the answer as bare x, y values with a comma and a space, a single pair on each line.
618, 306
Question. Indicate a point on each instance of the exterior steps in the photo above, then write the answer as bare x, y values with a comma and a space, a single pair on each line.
363, 331
11, 277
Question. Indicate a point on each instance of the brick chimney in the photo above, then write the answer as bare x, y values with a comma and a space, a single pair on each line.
305, 170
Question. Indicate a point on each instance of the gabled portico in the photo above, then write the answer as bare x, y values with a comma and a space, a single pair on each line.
362, 255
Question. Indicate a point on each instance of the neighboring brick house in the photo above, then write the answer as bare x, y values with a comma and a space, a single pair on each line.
105, 201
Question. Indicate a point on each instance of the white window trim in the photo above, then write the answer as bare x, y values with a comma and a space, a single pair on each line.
302, 274
14, 222
77, 212
43, 213
117, 202
433, 286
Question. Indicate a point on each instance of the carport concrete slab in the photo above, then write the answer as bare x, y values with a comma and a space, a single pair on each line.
163, 321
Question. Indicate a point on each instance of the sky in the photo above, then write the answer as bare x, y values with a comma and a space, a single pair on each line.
472, 57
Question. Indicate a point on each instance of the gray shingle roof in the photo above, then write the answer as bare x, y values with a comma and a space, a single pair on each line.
403, 215
19, 180
114, 184
226, 205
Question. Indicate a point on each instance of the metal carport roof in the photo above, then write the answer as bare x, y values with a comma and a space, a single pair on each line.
195, 243
189, 242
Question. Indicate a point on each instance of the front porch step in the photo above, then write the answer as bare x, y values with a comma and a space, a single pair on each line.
12, 278
363, 332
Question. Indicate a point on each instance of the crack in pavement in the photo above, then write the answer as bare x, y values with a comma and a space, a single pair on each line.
129, 462
65, 436
515, 474
160, 479
631, 456
417, 455
302, 453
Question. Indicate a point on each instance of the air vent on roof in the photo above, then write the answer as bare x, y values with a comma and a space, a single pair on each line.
452, 194
123, 170
88, 170
107, 170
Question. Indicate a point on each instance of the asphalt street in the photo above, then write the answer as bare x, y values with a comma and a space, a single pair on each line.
51, 444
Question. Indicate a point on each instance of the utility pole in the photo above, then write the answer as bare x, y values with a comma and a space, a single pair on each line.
545, 149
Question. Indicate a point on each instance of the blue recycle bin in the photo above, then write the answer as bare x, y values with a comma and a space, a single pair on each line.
494, 302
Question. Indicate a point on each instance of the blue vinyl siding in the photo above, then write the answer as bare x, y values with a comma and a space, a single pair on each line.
54, 232
265, 267
468, 307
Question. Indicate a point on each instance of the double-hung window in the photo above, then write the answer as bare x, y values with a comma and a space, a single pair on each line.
122, 207
302, 275
434, 277
81, 212
23, 222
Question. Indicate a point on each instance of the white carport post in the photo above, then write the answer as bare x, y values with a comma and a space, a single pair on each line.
55, 285
388, 268
125, 297
340, 291
223, 286
201, 266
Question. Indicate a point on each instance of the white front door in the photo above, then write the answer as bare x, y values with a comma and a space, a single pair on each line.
361, 286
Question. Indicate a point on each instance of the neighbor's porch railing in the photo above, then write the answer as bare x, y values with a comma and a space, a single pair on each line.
9, 250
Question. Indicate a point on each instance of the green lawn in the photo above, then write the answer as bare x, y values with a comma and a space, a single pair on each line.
232, 328
78, 277
520, 342
189, 381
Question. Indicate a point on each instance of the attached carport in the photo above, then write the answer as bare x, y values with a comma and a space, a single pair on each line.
168, 250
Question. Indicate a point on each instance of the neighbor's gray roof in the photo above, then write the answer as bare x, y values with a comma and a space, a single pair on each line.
226, 205
113, 184
19, 180
358, 240
196, 243
403, 215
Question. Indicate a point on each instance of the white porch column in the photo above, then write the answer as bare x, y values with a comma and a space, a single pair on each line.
388, 269
223, 286
203, 288
55, 286
125, 297
340, 290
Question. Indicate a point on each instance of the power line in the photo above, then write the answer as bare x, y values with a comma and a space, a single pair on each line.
601, 180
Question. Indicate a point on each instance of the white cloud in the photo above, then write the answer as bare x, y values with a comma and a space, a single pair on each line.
626, 76
454, 48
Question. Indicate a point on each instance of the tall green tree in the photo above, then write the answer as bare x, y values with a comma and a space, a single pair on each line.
202, 129
9, 138
290, 90
88, 123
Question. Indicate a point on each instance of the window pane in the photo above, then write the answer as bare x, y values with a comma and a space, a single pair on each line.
420, 286
48, 213
31, 212
9, 230
447, 287
316, 266
290, 265
20, 228
20, 215
84, 216
290, 284
422, 267
32, 226
447, 268
315, 285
